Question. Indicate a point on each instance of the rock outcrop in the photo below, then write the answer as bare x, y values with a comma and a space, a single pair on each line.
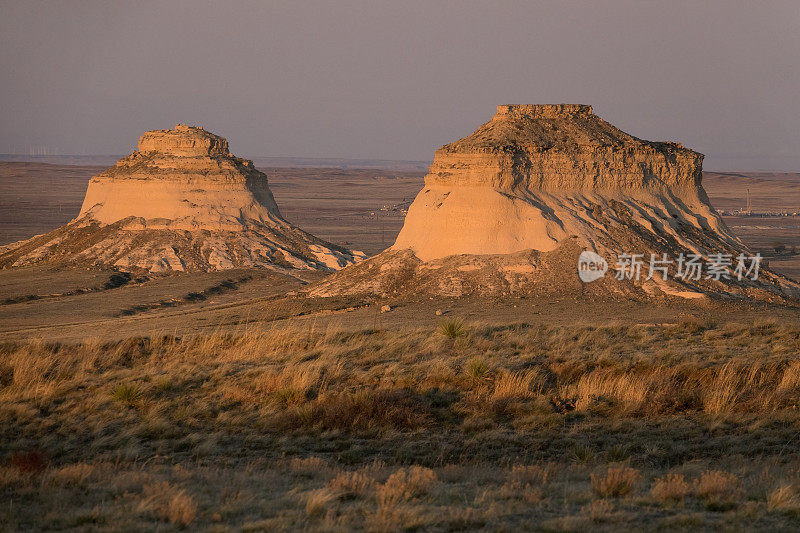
509, 209
181, 202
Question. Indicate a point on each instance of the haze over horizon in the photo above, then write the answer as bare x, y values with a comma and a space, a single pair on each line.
396, 81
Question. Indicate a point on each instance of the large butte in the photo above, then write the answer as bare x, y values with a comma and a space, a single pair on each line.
181, 202
509, 208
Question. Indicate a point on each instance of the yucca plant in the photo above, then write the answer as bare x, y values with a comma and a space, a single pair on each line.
452, 328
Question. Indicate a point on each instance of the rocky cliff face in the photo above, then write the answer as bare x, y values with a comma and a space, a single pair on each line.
182, 179
506, 208
534, 174
558, 148
182, 201
183, 141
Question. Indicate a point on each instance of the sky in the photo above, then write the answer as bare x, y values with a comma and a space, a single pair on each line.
398, 79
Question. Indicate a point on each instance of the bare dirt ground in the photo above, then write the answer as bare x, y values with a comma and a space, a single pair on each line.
223, 402
36, 198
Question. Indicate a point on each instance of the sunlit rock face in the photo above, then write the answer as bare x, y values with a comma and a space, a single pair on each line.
181, 202
507, 207
535, 175
184, 141
182, 179
562, 148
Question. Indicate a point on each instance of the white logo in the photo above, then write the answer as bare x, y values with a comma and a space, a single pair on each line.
591, 266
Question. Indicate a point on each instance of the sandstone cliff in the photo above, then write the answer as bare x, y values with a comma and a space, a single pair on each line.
510, 207
182, 179
182, 201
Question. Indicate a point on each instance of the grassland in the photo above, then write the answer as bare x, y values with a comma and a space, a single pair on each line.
693, 425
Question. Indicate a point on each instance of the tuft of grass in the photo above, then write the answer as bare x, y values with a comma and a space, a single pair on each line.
582, 454
616, 482
477, 368
783, 498
406, 484
516, 490
318, 501
181, 509
452, 328
671, 488
716, 486
165, 385
790, 381
289, 396
618, 454
516, 385
539, 474
169, 504
74, 475
310, 467
128, 394
598, 511
602, 390
351, 485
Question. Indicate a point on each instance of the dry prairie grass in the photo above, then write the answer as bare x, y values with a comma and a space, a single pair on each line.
406, 484
75, 475
671, 488
599, 511
615, 482
169, 504
717, 486
356, 484
319, 500
375, 429
517, 385
784, 498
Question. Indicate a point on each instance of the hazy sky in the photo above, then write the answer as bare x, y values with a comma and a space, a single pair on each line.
396, 80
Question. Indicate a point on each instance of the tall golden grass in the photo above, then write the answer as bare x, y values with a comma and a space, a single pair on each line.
327, 429
720, 371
